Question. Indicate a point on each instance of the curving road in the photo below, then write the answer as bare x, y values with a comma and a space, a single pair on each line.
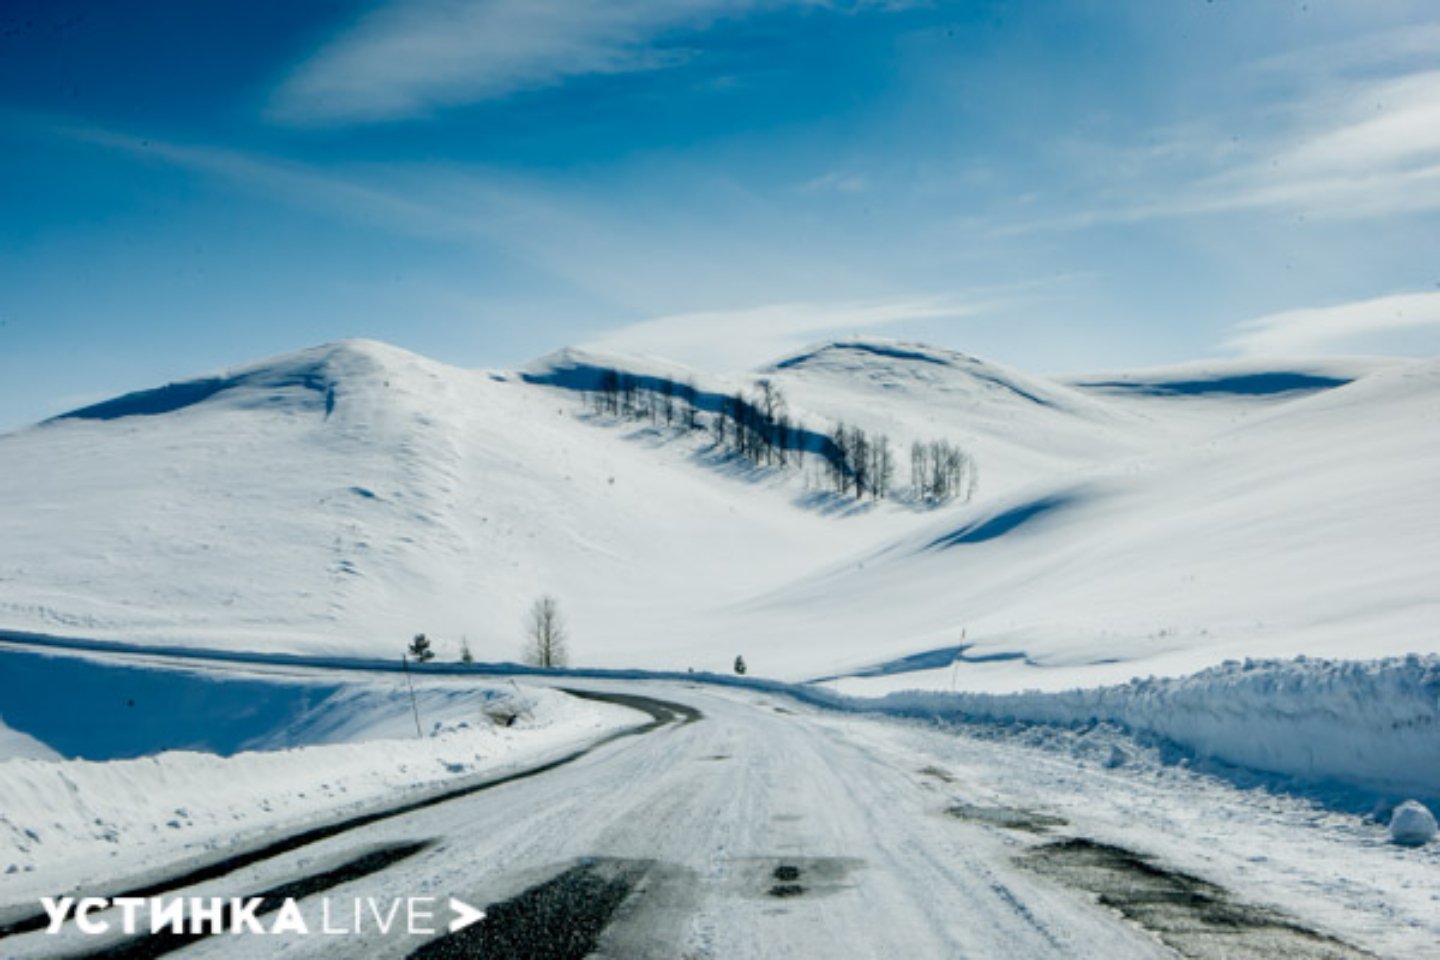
738, 825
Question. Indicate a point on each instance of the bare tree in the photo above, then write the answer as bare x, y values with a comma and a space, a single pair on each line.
691, 397
940, 471
882, 467
545, 634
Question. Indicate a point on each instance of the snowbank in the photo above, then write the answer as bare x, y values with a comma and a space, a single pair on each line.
1372, 724
14, 744
282, 752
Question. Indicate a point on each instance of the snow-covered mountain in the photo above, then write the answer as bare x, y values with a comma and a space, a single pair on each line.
340, 499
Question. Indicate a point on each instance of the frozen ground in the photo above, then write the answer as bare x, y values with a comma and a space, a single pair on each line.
168, 764
337, 500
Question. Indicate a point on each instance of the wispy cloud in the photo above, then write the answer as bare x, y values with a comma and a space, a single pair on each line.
836, 181
1376, 152
583, 243
353, 197
737, 340
408, 59
1363, 326
1353, 149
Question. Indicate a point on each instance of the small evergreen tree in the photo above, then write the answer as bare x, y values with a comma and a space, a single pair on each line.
740, 666
465, 655
420, 650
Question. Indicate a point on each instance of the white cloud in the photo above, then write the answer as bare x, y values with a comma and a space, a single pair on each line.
1376, 152
1403, 322
736, 340
1352, 149
406, 59
410, 57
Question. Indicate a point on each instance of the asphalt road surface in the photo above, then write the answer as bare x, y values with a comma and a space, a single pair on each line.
730, 824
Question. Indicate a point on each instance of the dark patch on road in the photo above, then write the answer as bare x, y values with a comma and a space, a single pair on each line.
160, 944
1008, 817
786, 874
560, 919
662, 712
1195, 918
781, 877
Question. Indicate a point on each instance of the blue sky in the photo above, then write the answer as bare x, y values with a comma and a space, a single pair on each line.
1062, 186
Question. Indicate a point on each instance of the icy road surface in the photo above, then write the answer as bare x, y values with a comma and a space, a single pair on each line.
763, 829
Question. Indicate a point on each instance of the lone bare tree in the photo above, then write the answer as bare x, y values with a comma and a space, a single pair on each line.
545, 634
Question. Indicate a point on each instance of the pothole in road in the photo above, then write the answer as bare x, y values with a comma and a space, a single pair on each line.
1008, 817
786, 878
786, 874
1195, 918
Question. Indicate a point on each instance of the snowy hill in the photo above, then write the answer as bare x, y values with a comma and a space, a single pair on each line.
340, 499
1307, 529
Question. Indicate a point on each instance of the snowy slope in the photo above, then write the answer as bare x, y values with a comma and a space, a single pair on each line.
1021, 428
346, 497
1307, 529
340, 499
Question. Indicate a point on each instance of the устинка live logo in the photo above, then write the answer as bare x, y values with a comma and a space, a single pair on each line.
344, 916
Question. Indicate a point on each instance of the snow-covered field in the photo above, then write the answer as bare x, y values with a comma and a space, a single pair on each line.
1227, 563
168, 764
338, 500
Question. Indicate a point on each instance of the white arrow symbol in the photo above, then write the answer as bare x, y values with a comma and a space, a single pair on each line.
464, 915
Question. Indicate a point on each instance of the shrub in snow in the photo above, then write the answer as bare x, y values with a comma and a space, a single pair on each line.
420, 648
1412, 824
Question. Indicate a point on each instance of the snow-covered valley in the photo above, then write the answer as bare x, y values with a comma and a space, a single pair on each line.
338, 500
1213, 580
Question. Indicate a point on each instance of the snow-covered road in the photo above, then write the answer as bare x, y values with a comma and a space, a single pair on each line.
767, 829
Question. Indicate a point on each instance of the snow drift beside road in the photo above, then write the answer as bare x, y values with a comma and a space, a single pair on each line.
1368, 724
349, 741
13, 743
